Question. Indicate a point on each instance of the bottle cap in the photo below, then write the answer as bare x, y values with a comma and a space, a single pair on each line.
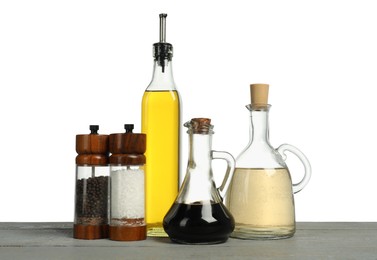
259, 94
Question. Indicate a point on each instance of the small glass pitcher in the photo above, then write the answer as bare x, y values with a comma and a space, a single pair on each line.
260, 196
198, 215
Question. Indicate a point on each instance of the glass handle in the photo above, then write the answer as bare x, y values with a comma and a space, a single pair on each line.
229, 171
308, 169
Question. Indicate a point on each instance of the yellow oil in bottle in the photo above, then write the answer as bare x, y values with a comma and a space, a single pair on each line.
160, 122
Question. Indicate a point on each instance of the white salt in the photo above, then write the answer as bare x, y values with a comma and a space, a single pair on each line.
127, 194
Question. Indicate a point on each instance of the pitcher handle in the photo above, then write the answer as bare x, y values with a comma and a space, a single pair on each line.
229, 171
308, 169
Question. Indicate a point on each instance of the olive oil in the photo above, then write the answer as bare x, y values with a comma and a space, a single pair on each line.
160, 122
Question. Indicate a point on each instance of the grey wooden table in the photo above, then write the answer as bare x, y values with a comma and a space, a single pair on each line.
311, 241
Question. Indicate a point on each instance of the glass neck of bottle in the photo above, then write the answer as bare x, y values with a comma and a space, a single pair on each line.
259, 131
162, 78
198, 184
200, 151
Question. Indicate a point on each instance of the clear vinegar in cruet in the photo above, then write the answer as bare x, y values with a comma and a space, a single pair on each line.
260, 196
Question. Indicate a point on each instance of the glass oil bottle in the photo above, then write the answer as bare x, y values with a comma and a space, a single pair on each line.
161, 124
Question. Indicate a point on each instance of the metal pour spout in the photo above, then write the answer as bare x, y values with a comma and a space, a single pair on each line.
163, 27
162, 50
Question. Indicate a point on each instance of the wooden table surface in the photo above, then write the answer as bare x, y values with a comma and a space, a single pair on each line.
313, 240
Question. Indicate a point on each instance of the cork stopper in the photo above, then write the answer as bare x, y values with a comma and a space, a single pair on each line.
259, 94
199, 126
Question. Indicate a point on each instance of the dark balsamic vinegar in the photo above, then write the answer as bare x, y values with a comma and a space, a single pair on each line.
198, 223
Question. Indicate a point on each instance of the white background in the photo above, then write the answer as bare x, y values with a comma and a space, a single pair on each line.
67, 64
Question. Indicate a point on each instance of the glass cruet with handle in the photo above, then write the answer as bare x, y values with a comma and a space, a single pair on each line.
260, 196
198, 215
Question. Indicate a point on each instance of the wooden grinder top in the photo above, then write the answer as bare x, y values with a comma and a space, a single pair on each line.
93, 148
127, 148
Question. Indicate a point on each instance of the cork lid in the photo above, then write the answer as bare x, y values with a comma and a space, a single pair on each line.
259, 94
199, 126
